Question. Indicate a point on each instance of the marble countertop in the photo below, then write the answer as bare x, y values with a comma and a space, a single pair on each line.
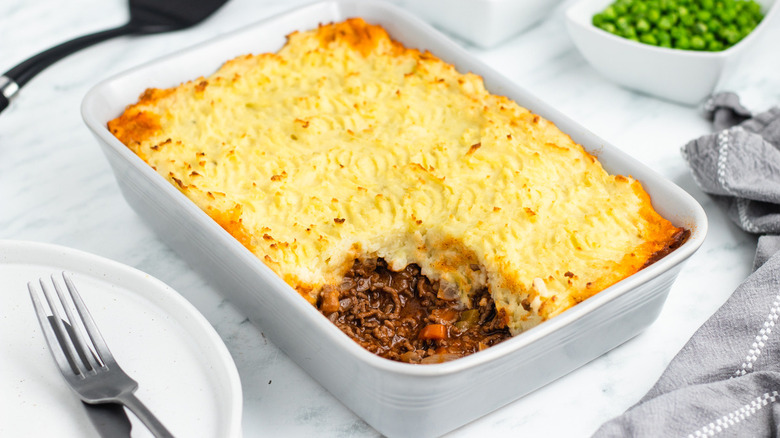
56, 186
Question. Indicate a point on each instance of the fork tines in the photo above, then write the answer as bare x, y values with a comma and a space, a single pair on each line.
66, 336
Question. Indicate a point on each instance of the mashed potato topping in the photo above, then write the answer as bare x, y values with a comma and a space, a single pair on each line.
346, 145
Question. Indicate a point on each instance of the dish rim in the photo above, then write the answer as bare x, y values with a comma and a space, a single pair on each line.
484, 358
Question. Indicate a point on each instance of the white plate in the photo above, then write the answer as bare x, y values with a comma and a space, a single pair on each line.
186, 375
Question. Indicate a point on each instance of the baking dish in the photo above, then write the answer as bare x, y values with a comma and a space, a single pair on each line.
395, 398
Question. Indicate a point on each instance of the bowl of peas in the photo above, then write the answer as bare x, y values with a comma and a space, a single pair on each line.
678, 50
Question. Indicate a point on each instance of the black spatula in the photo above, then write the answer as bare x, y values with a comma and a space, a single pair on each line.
146, 17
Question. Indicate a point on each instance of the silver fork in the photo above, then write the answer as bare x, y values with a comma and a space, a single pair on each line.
90, 369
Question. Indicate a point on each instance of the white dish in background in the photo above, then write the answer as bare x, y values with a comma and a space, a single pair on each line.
684, 76
485, 23
186, 375
397, 399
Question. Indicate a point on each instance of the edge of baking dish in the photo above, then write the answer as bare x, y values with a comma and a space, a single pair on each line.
395, 398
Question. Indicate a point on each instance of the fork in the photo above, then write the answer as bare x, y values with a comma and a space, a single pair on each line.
89, 369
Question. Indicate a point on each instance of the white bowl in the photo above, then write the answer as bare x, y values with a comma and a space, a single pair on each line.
398, 399
485, 23
683, 76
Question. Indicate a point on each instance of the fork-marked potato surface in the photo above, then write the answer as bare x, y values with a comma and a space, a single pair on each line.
347, 145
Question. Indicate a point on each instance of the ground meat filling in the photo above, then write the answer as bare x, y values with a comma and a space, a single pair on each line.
677, 241
401, 316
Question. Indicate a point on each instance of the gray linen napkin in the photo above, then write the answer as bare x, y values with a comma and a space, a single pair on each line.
726, 380
740, 164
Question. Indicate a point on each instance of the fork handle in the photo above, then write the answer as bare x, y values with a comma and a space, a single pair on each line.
144, 414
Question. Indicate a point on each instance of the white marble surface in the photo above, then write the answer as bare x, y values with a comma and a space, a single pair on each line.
56, 186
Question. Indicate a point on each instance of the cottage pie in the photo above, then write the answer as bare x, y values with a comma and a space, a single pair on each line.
423, 215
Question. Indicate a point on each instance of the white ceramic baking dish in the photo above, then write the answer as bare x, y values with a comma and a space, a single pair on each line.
395, 398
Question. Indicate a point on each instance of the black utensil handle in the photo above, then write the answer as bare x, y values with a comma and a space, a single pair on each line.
7, 90
26, 70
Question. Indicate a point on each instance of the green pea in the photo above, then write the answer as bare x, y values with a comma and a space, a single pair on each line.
642, 25
697, 43
714, 25
729, 35
470, 316
653, 15
678, 32
649, 38
664, 38
609, 13
638, 8
609, 27
727, 15
714, 46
